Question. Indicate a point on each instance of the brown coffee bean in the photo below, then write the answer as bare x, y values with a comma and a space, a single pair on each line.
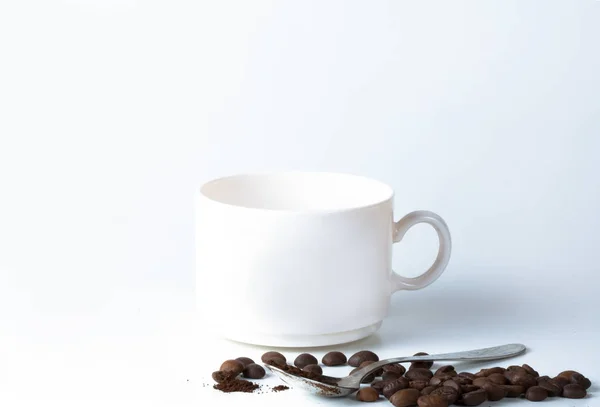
304, 359
561, 381
545, 377
494, 392
367, 394
553, 389
536, 393
395, 368
530, 370
418, 373
515, 368
497, 378
367, 379
468, 388
513, 390
389, 376
487, 372
405, 398
244, 361
362, 356
254, 371
467, 375
454, 385
578, 378
437, 380
567, 374
433, 400
267, 356
445, 370
474, 398
524, 380
334, 358
232, 366
427, 390
396, 385
221, 377
422, 365
480, 381
573, 391
316, 369
449, 393
380, 384
418, 384
462, 380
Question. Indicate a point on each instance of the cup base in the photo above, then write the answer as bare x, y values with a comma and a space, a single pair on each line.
302, 341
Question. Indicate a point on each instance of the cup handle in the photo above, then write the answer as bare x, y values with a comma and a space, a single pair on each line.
401, 227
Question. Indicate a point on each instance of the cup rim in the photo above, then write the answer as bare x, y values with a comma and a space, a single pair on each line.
389, 192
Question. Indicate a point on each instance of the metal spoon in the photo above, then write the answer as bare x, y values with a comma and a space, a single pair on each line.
340, 387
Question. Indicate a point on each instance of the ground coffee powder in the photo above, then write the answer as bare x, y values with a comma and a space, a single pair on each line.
236, 385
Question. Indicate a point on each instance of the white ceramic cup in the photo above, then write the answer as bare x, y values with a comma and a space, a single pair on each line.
301, 258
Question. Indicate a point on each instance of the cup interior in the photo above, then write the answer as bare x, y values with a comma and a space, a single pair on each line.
298, 191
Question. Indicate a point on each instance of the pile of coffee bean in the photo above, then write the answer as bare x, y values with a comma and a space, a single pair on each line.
416, 386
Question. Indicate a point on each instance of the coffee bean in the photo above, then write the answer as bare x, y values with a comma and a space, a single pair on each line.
437, 380
367, 379
497, 378
268, 356
449, 393
432, 400
578, 378
395, 368
480, 381
418, 373
467, 375
405, 398
573, 391
474, 398
221, 377
494, 392
244, 361
427, 390
536, 393
422, 365
367, 394
487, 372
524, 380
561, 381
418, 384
468, 388
391, 388
545, 377
553, 389
378, 372
462, 380
380, 384
362, 356
304, 359
316, 369
254, 371
567, 374
232, 366
530, 370
445, 370
454, 385
513, 390
389, 376
334, 358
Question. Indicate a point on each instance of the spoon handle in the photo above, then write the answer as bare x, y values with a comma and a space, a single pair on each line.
496, 352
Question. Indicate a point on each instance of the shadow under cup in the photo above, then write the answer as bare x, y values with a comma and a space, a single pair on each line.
296, 259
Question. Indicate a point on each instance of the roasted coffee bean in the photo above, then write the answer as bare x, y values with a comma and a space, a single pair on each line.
316, 369
221, 377
427, 390
232, 366
494, 392
422, 365
362, 356
254, 371
405, 398
418, 373
553, 389
418, 384
380, 384
536, 393
497, 378
487, 372
396, 385
578, 378
468, 387
561, 381
395, 368
449, 393
545, 377
438, 380
480, 381
390, 376
474, 398
267, 356
467, 375
432, 401
573, 391
513, 390
516, 369
524, 380
367, 379
334, 358
244, 361
462, 380
304, 359
530, 370
367, 394
567, 374
378, 372
454, 385
444, 370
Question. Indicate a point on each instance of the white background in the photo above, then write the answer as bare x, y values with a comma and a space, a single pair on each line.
112, 113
